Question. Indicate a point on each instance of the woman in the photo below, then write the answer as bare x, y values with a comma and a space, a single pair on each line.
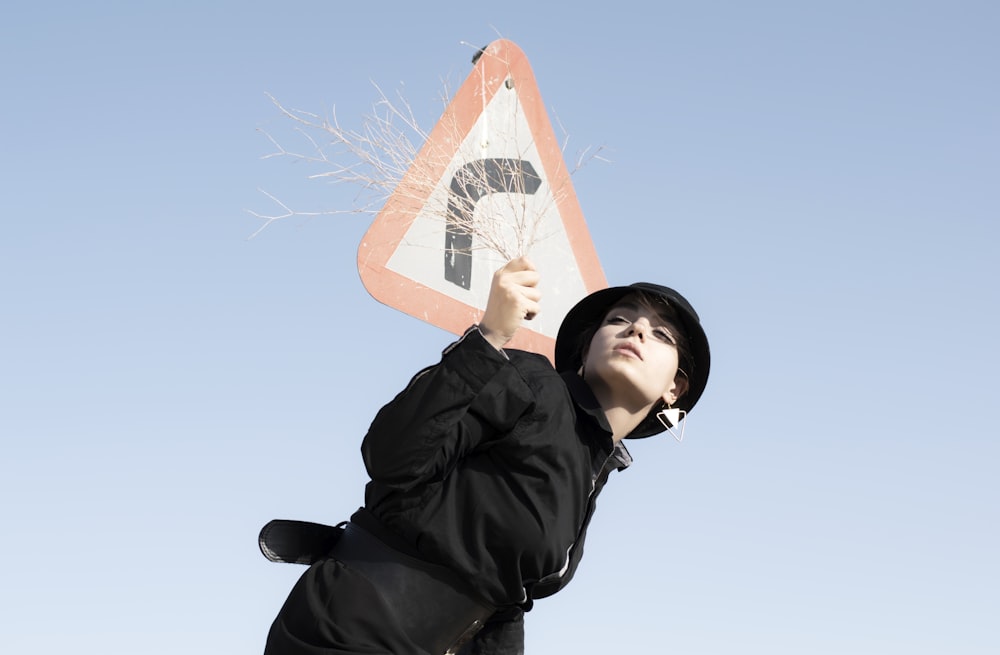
484, 473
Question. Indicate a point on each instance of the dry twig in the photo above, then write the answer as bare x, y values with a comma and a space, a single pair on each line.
380, 157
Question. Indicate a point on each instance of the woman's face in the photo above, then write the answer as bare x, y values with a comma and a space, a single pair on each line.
632, 356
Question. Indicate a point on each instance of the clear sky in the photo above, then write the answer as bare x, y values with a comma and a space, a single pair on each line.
821, 179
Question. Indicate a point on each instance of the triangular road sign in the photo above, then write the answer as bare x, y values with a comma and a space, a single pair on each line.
489, 184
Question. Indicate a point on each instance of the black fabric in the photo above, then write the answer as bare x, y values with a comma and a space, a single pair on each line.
488, 464
333, 610
296, 542
502, 636
434, 606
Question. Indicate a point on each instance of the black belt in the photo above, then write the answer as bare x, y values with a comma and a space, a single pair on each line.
431, 603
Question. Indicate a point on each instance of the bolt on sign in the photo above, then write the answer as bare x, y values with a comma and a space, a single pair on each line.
489, 184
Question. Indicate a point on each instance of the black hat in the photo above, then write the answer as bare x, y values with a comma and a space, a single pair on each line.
590, 311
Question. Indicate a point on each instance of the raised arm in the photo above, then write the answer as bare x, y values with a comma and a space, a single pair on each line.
473, 395
513, 298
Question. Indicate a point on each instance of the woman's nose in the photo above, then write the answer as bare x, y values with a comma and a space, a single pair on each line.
640, 328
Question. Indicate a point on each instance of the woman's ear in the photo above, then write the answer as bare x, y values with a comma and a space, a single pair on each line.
678, 388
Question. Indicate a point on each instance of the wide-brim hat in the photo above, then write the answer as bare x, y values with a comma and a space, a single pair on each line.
590, 311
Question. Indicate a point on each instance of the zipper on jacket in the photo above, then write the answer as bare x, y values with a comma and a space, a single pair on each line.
591, 496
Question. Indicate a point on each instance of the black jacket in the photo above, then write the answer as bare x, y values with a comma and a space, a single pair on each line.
490, 463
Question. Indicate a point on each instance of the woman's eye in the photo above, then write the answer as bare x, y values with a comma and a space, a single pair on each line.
618, 320
664, 335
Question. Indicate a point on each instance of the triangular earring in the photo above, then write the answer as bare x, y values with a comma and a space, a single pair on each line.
670, 418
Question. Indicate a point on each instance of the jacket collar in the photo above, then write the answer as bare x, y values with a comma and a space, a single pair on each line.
585, 401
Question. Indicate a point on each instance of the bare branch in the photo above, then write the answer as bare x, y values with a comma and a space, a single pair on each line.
379, 159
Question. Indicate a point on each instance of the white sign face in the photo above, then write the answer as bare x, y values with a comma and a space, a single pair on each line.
490, 184
505, 208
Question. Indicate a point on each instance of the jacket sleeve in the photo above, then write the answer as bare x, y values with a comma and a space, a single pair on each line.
472, 395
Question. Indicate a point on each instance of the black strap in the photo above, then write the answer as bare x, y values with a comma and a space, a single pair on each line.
297, 542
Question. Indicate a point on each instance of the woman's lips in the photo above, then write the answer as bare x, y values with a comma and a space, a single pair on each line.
630, 349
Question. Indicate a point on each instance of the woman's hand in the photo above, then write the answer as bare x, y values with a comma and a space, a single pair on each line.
513, 298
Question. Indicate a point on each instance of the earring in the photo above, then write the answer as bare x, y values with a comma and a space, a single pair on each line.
670, 417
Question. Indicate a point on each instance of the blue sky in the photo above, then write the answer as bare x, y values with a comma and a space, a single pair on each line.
820, 179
